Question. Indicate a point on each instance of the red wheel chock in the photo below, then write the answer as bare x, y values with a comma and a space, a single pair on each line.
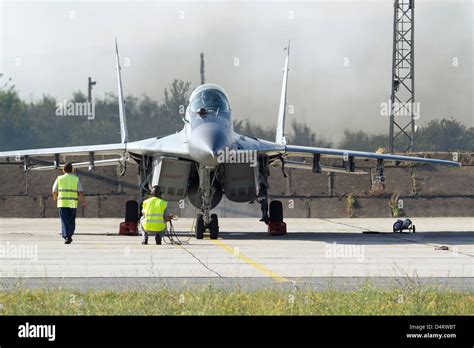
276, 228
128, 228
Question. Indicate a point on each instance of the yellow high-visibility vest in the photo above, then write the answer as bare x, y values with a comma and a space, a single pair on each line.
68, 185
154, 214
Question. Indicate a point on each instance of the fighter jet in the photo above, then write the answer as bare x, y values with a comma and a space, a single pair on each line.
207, 158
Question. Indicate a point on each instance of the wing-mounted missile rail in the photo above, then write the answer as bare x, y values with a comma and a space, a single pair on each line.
317, 167
380, 171
26, 163
348, 163
317, 163
91, 162
56, 162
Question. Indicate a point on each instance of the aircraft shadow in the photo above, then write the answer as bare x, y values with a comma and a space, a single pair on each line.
443, 237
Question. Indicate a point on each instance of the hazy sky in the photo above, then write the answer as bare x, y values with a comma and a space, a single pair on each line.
51, 47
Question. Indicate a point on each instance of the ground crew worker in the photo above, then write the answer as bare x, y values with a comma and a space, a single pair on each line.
155, 216
67, 189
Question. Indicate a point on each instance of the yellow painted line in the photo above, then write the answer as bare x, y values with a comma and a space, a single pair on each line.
251, 262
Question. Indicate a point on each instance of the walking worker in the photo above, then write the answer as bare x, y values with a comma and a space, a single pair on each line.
155, 216
67, 190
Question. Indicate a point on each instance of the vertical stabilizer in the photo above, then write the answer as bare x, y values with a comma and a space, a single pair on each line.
280, 131
123, 117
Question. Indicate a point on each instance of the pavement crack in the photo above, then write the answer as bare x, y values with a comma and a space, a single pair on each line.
348, 225
199, 260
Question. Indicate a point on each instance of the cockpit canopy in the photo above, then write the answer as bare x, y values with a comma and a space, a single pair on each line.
212, 100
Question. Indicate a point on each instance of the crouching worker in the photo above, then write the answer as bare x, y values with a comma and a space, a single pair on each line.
155, 216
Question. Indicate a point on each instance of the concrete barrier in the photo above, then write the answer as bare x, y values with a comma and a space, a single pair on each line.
425, 191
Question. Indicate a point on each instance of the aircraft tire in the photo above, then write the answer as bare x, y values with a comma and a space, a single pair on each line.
199, 228
132, 211
214, 227
276, 211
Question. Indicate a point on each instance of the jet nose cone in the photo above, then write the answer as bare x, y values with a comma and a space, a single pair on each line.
206, 143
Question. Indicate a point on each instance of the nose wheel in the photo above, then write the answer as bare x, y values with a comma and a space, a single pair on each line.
200, 228
212, 227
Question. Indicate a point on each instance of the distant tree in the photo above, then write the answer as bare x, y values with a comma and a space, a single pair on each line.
49, 129
33, 125
245, 127
444, 135
176, 98
300, 133
470, 139
13, 120
303, 135
437, 135
105, 127
5, 83
361, 141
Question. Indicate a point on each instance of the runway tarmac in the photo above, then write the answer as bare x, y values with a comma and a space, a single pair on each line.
316, 253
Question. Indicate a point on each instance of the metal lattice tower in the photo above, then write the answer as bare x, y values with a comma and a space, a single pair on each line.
403, 76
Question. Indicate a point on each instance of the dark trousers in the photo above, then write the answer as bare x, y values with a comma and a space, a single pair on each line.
68, 221
158, 235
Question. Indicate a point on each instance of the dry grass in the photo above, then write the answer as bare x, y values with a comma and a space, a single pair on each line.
208, 301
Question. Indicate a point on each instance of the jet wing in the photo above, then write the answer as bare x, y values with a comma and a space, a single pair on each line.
107, 149
269, 148
306, 151
171, 145
276, 150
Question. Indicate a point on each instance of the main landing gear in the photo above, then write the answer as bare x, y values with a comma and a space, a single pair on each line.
276, 226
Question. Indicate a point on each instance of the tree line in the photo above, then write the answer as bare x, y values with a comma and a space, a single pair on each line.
35, 124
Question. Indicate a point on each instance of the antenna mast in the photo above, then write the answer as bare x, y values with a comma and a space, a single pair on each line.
203, 80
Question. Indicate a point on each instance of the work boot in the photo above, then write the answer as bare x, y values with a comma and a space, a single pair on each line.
158, 239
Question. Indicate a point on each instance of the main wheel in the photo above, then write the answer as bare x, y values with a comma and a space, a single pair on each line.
276, 211
199, 227
131, 211
214, 227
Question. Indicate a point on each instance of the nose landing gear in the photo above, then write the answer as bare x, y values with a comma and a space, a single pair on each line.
212, 227
199, 227
207, 189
